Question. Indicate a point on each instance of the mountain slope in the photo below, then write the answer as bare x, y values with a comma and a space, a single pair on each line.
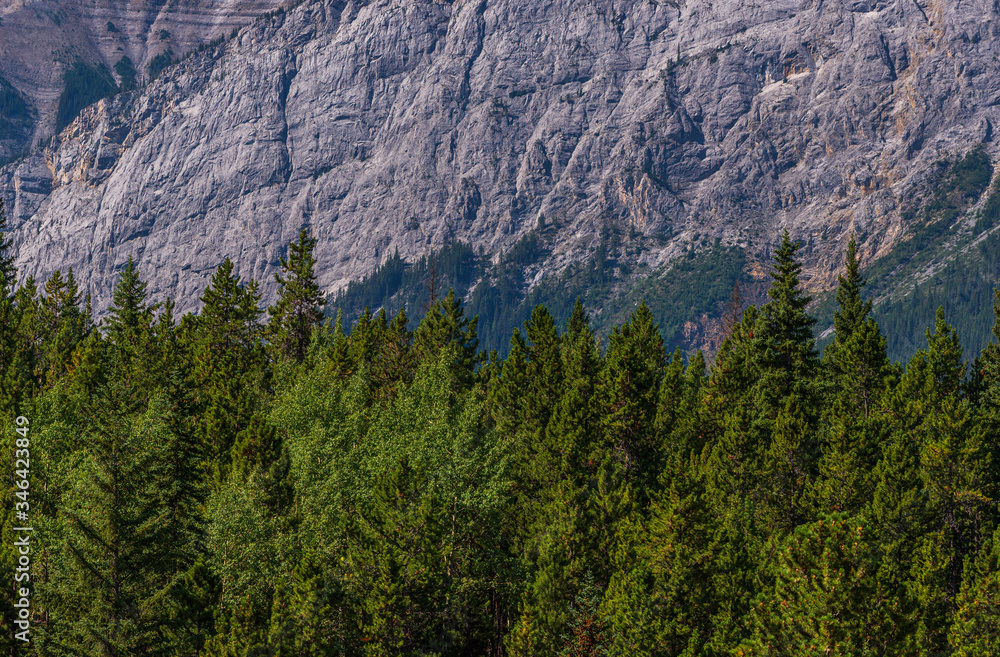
401, 126
43, 41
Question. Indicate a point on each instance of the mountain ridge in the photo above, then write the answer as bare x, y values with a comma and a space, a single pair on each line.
401, 126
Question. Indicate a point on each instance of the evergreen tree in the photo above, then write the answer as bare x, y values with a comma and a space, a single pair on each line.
824, 600
61, 320
395, 567
975, 631
783, 349
129, 329
445, 327
300, 302
852, 309
853, 428
626, 399
230, 366
308, 618
189, 610
114, 548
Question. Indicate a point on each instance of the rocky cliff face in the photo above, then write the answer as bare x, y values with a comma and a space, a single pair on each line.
40, 39
401, 124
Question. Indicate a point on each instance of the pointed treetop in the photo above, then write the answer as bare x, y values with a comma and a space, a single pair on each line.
852, 309
299, 308
786, 274
129, 316
579, 321
944, 354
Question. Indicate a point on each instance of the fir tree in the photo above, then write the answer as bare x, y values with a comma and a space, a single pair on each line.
300, 302
445, 327
115, 547
229, 365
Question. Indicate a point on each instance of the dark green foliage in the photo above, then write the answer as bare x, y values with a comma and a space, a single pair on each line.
83, 85
696, 286
126, 72
396, 285
958, 186
14, 112
158, 63
963, 287
8, 271
229, 363
219, 487
299, 308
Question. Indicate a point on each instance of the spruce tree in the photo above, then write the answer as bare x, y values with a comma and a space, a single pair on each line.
445, 327
300, 302
975, 630
230, 366
114, 548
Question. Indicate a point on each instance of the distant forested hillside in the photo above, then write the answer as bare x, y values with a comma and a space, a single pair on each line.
261, 481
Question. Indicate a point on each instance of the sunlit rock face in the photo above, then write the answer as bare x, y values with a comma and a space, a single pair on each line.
390, 126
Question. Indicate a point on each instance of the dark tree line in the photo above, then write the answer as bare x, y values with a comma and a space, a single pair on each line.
256, 481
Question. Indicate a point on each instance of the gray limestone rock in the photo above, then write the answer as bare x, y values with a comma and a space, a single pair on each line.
399, 124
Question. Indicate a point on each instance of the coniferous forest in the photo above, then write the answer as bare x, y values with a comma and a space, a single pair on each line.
259, 481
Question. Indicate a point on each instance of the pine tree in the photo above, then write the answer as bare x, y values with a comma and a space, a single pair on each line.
975, 631
683, 578
563, 553
824, 600
300, 302
189, 610
230, 366
445, 327
114, 548
572, 425
21, 346
984, 389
